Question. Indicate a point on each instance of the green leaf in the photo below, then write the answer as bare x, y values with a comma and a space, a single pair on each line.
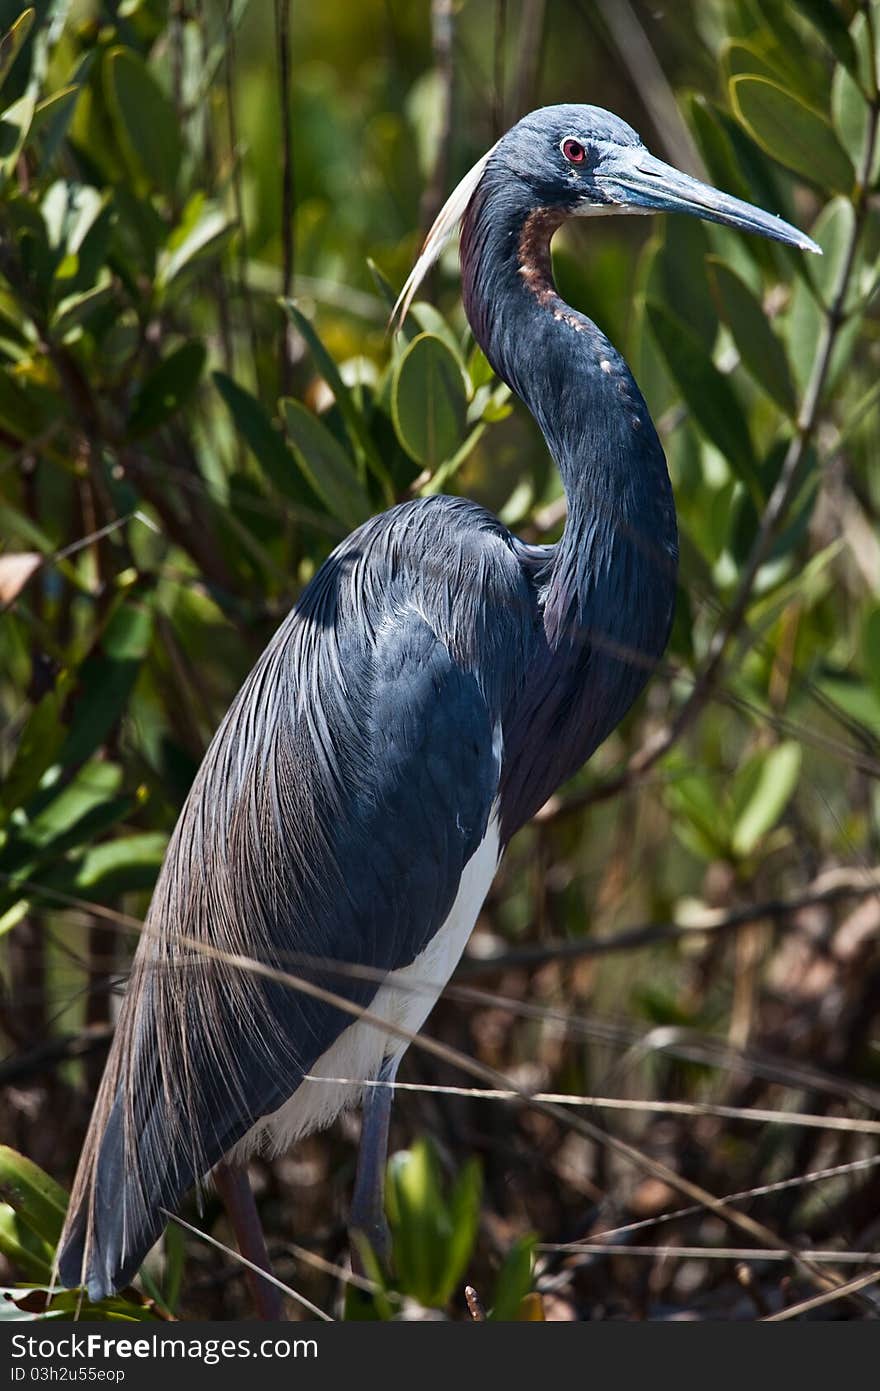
774, 785
193, 242
145, 122
106, 678
514, 1281
716, 149
428, 401
832, 230
175, 1254
850, 108
355, 423
168, 388
15, 124
67, 1305
700, 822
121, 866
417, 1218
871, 646
464, 1214
93, 787
326, 466
12, 41
740, 58
383, 284
37, 1198
29, 1254
430, 320
707, 393
827, 19
38, 747
760, 350
52, 119
266, 442
76, 309
796, 135
677, 277
13, 915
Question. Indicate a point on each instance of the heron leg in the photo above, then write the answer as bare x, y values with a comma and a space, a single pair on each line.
368, 1203
234, 1187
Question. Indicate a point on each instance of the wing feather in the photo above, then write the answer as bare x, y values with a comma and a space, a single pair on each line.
332, 817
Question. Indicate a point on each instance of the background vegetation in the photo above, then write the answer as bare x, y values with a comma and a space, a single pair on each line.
202, 208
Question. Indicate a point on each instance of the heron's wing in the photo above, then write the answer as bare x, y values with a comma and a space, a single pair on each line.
335, 811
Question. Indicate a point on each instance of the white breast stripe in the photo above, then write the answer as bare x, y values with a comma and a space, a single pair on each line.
405, 999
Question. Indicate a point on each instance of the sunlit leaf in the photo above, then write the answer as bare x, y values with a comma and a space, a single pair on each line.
37, 1198
12, 41
514, 1281
28, 1253
429, 402
121, 865
415, 1208
793, 133
93, 787
774, 783
198, 238
464, 1217
15, 124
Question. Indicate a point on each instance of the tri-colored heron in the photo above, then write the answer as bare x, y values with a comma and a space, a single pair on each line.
436, 682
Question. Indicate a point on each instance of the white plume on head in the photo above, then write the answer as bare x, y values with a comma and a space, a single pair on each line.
445, 223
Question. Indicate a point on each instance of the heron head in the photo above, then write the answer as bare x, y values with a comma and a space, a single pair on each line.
581, 161
585, 162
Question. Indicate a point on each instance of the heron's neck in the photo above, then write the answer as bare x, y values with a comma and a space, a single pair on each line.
577, 386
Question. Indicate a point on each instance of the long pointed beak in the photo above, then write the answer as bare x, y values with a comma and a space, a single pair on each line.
641, 181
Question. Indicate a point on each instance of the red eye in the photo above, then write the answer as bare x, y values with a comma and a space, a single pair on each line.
573, 151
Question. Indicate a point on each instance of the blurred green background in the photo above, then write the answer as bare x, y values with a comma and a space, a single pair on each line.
694, 920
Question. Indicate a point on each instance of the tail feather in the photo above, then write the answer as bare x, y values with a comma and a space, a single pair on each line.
117, 1218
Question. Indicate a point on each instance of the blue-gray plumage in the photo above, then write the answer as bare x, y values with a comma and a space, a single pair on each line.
436, 682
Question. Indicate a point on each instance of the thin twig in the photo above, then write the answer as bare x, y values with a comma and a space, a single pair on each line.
719, 1253
500, 43
530, 55
282, 40
745, 1195
679, 1043
864, 885
637, 55
229, 67
757, 1231
442, 34
755, 1114
242, 1260
817, 1302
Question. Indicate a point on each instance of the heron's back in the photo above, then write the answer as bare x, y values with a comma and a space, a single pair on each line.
331, 821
